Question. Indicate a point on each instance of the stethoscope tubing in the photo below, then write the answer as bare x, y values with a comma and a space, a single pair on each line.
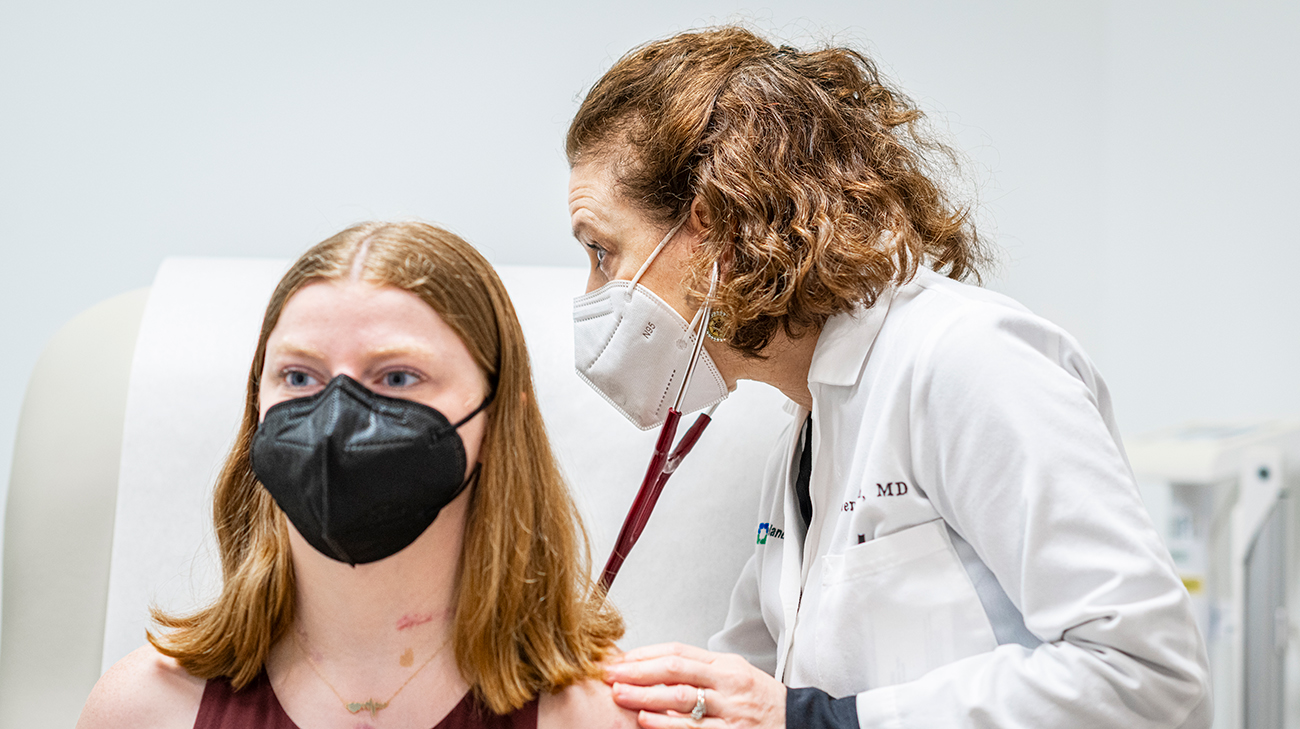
662, 465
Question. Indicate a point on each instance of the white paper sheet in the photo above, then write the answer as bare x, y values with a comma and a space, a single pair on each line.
183, 406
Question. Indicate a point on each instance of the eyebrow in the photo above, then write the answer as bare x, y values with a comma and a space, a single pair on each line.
401, 350
299, 350
579, 227
293, 349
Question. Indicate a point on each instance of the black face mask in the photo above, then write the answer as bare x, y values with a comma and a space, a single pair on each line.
360, 475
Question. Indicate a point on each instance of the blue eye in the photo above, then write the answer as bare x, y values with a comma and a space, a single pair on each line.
599, 252
399, 379
298, 378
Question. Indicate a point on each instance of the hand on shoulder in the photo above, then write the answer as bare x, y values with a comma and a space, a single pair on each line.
587, 704
145, 689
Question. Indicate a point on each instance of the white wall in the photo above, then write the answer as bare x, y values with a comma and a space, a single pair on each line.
1201, 304
1137, 160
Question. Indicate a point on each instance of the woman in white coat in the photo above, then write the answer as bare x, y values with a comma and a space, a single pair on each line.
950, 534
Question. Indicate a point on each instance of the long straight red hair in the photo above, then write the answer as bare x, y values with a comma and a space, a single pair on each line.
528, 617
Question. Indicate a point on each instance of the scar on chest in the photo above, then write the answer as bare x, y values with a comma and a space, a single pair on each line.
410, 620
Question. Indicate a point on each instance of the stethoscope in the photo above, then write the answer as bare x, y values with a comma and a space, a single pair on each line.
664, 462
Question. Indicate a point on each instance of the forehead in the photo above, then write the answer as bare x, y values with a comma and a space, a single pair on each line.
592, 180
355, 312
597, 203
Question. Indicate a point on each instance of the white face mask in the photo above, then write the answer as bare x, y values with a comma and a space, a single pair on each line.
634, 349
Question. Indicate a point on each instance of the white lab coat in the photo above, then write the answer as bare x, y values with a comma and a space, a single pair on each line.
979, 555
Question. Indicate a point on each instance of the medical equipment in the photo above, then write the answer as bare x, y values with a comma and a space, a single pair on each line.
359, 475
109, 505
628, 345
661, 467
1219, 495
662, 464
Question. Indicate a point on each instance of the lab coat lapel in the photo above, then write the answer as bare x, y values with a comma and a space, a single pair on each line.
845, 341
791, 586
838, 360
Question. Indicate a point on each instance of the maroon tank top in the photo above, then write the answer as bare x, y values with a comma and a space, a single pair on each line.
256, 706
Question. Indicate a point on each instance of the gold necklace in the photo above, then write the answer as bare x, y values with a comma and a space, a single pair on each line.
370, 705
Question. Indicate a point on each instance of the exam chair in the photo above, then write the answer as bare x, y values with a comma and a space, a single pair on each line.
134, 403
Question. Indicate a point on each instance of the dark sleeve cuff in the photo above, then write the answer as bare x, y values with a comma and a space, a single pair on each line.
812, 708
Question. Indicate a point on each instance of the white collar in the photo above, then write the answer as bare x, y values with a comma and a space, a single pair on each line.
845, 341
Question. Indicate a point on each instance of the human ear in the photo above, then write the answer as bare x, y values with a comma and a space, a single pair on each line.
698, 226
699, 221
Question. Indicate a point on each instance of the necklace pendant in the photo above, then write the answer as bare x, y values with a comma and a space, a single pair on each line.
374, 707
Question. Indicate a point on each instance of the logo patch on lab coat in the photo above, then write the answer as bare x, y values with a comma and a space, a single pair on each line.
766, 530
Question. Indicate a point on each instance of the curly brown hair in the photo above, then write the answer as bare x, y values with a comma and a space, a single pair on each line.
812, 174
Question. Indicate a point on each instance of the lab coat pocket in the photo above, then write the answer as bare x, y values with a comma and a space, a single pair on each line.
895, 608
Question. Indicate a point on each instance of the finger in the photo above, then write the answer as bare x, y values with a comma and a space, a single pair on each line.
660, 650
661, 699
610, 660
667, 670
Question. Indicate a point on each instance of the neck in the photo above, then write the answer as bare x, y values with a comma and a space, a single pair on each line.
785, 365
377, 637
372, 612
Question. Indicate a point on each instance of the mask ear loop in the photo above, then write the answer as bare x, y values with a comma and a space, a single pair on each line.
655, 253
478, 467
472, 478
698, 322
481, 407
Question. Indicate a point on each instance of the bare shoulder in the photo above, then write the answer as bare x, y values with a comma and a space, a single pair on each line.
588, 704
146, 689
